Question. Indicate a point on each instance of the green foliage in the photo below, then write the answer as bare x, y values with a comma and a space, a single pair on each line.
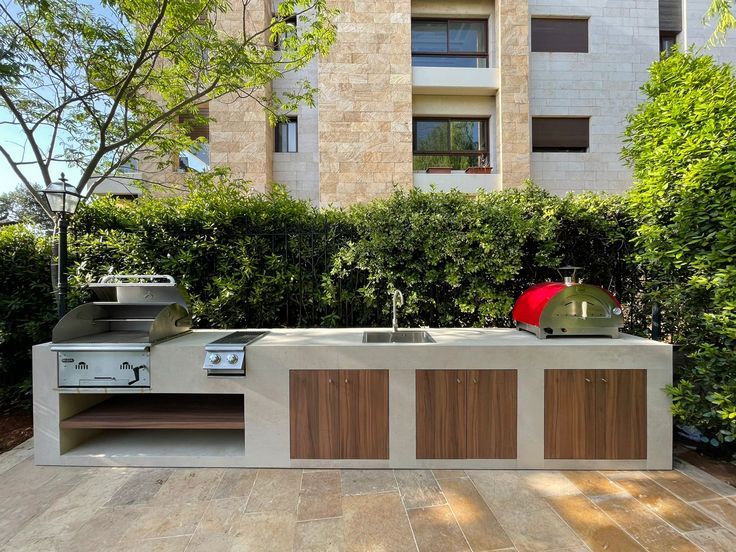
682, 146
26, 300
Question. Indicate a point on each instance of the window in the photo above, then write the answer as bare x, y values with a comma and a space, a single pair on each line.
559, 35
278, 45
667, 41
449, 43
198, 158
564, 134
450, 143
286, 136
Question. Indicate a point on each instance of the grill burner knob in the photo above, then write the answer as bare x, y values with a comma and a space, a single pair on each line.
215, 359
616, 311
232, 359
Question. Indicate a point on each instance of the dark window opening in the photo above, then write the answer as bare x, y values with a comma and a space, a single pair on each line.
279, 42
559, 35
287, 136
667, 41
449, 43
452, 143
198, 158
560, 134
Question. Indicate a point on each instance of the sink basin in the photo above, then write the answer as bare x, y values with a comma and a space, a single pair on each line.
402, 336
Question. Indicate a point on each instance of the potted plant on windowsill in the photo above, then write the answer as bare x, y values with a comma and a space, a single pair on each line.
482, 168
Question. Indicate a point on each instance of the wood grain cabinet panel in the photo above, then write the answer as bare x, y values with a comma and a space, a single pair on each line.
338, 414
440, 396
491, 414
569, 414
595, 414
466, 414
364, 414
621, 417
314, 413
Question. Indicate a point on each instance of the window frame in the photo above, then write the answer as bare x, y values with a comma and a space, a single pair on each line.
586, 19
449, 120
291, 20
561, 149
290, 119
448, 53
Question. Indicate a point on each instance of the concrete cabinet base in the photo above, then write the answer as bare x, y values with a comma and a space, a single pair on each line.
476, 399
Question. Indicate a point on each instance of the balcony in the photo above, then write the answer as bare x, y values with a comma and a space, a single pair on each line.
455, 81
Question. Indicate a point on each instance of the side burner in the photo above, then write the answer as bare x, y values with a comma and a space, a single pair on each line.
226, 356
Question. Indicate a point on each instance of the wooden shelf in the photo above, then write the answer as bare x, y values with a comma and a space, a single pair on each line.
162, 412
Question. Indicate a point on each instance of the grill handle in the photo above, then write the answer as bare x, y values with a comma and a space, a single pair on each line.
136, 278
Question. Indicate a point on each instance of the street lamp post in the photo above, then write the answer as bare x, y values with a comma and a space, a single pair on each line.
63, 199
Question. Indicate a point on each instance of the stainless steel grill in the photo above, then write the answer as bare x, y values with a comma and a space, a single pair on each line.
106, 343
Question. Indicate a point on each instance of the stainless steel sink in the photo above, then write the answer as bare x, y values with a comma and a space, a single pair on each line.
401, 336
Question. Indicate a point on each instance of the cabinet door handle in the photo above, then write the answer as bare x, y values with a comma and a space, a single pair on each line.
330, 380
587, 380
475, 380
604, 380
458, 380
346, 380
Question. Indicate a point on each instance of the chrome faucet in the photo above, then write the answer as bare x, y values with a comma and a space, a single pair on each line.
396, 293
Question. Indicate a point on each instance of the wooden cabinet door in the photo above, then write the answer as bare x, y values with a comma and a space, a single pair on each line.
441, 413
491, 415
364, 414
621, 414
569, 414
314, 413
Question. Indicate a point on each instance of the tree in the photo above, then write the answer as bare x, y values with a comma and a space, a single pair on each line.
97, 85
18, 206
722, 11
681, 143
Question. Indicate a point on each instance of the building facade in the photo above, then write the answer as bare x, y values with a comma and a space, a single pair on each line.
471, 94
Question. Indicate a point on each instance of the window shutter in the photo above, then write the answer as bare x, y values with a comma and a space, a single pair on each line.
560, 133
559, 35
198, 131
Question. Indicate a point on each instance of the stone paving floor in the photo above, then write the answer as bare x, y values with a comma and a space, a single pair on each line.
146, 509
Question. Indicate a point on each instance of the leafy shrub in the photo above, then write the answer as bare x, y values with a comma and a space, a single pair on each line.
682, 146
26, 300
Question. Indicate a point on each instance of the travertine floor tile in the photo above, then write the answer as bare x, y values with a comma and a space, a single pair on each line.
548, 483
320, 496
165, 520
717, 539
105, 529
236, 482
506, 491
436, 530
593, 483
189, 486
598, 531
539, 529
449, 474
141, 487
169, 544
275, 491
681, 485
272, 531
480, 527
376, 522
13, 458
321, 535
722, 510
646, 527
704, 478
220, 515
673, 510
358, 482
419, 488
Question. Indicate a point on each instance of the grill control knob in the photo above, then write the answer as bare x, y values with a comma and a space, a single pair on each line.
232, 359
616, 311
214, 359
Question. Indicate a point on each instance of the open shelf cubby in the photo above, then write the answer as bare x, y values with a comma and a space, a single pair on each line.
161, 411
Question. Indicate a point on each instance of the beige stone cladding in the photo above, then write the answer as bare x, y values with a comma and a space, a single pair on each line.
240, 134
513, 97
365, 113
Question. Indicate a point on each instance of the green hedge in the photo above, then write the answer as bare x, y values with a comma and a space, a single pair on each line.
273, 261
27, 305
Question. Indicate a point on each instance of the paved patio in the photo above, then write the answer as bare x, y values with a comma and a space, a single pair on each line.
141, 509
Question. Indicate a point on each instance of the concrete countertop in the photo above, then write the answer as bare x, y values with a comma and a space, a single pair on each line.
453, 337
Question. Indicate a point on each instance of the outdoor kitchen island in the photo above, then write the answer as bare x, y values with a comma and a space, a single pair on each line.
476, 398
